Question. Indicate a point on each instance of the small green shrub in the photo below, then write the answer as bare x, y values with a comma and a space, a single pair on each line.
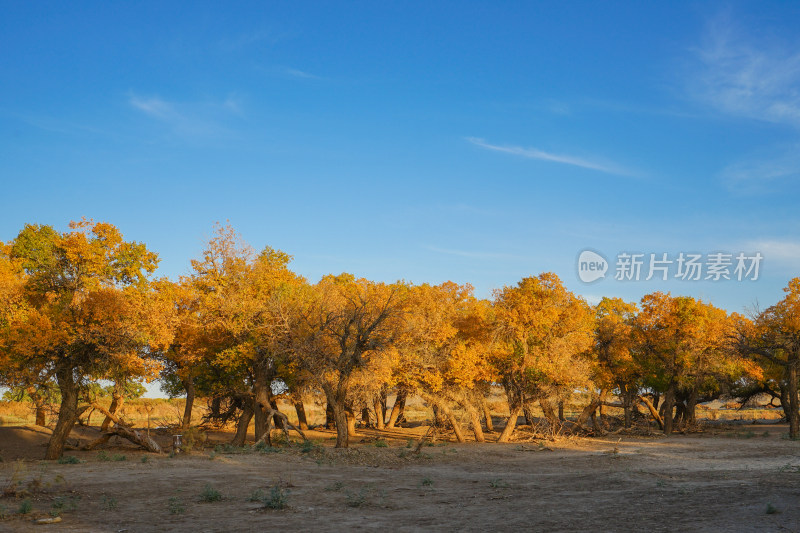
176, 506
61, 504
210, 494
68, 460
307, 446
103, 456
145, 459
353, 499
278, 498
109, 503
25, 507
263, 447
57, 506
336, 487
498, 484
228, 448
257, 496
380, 443
771, 509
427, 482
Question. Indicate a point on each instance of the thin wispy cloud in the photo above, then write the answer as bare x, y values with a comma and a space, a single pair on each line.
764, 172
739, 76
204, 119
282, 71
297, 73
785, 253
155, 107
535, 153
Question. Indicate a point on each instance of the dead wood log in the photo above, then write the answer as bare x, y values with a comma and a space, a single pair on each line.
123, 430
653, 411
431, 428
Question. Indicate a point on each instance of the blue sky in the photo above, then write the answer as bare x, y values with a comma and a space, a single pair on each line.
429, 141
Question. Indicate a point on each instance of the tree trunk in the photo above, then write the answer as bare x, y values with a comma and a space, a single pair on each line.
340, 416
365, 416
653, 411
188, 384
40, 418
475, 419
680, 414
117, 399
794, 407
383, 404
526, 410
380, 423
601, 410
438, 419
510, 424
302, 421
271, 415
261, 397
669, 404
784, 390
454, 423
627, 400
351, 423
549, 413
691, 407
487, 416
397, 409
67, 414
588, 412
242, 424
38, 403
276, 420
330, 418
215, 406
595, 424
561, 410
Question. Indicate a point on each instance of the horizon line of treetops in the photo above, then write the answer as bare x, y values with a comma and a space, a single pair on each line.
82, 305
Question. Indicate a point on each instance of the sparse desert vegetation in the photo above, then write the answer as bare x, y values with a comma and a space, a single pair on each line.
291, 398
554, 484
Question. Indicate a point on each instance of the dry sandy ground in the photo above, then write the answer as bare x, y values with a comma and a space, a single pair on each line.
704, 482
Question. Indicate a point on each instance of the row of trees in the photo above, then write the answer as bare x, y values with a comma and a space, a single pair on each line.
81, 305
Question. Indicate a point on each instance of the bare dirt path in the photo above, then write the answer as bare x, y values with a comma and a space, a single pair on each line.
726, 482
